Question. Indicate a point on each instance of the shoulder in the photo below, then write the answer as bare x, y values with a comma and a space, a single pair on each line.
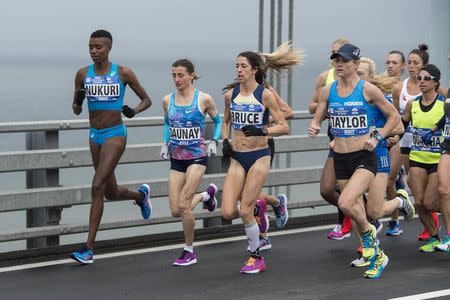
125, 73
81, 73
228, 94
322, 78
202, 96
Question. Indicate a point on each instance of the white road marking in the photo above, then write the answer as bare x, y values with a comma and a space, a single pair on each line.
430, 295
156, 249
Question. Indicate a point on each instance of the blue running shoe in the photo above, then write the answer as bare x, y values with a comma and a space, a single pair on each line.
394, 228
145, 204
281, 211
84, 255
264, 244
377, 224
369, 244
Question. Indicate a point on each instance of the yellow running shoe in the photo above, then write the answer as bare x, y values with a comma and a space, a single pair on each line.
429, 247
380, 264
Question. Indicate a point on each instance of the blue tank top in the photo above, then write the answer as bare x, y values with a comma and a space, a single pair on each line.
104, 92
248, 110
378, 120
349, 116
187, 129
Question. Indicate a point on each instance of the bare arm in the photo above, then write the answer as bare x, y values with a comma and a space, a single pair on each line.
316, 122
407, 114
320, 82
226, 116
281, 127
79, 84
210, 106
396, 95
128, 77
375, 96
286, 110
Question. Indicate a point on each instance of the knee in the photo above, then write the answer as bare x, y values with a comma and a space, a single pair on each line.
228, 214
96, 187
246, 212
184, 208
444, 191
175, 212
344, 205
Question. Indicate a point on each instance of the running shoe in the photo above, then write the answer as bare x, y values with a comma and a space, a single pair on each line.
407, 210
211, 204
254, 264
145, 204
85, 255
425, 235
347, 225
377, 224
337, 233
360, 262
380, 264
186, 259
264, 244
430, 246
261, 216
394, 228
281, 212
444, 246
369, 243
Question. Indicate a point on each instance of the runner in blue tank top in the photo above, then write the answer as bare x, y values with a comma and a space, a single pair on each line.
348, 100
184, 143
247, 105
103, 84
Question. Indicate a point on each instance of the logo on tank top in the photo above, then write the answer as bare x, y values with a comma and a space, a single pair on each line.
102, 92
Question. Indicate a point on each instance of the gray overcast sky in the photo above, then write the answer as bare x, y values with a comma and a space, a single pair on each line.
215, 28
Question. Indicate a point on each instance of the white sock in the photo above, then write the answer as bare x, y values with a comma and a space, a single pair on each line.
252, 231
205, 196
189, 248
400, 202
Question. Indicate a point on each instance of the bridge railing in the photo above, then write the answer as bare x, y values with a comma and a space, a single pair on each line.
46, 197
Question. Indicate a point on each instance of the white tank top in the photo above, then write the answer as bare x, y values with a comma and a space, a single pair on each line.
405, 96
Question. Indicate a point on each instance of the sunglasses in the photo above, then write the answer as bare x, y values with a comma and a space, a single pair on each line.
426, 78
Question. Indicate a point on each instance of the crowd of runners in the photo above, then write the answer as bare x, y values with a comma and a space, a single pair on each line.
386, 133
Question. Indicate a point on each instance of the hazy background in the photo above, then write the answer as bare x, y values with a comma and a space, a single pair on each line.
43, 44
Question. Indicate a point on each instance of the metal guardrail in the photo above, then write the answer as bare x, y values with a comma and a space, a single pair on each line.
51, 159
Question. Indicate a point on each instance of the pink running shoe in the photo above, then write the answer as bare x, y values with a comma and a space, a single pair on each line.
261, 216
254, 265
186, 259
211, 204
337, 233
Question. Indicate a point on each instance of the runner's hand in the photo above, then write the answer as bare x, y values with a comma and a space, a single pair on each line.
212, 148
164, 152
226, 148
370, 144
427, 136
252, 130
128, 111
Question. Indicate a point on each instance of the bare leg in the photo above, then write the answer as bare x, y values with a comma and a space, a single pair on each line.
105, 158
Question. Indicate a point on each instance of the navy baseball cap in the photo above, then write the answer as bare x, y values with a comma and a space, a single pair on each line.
348, 52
